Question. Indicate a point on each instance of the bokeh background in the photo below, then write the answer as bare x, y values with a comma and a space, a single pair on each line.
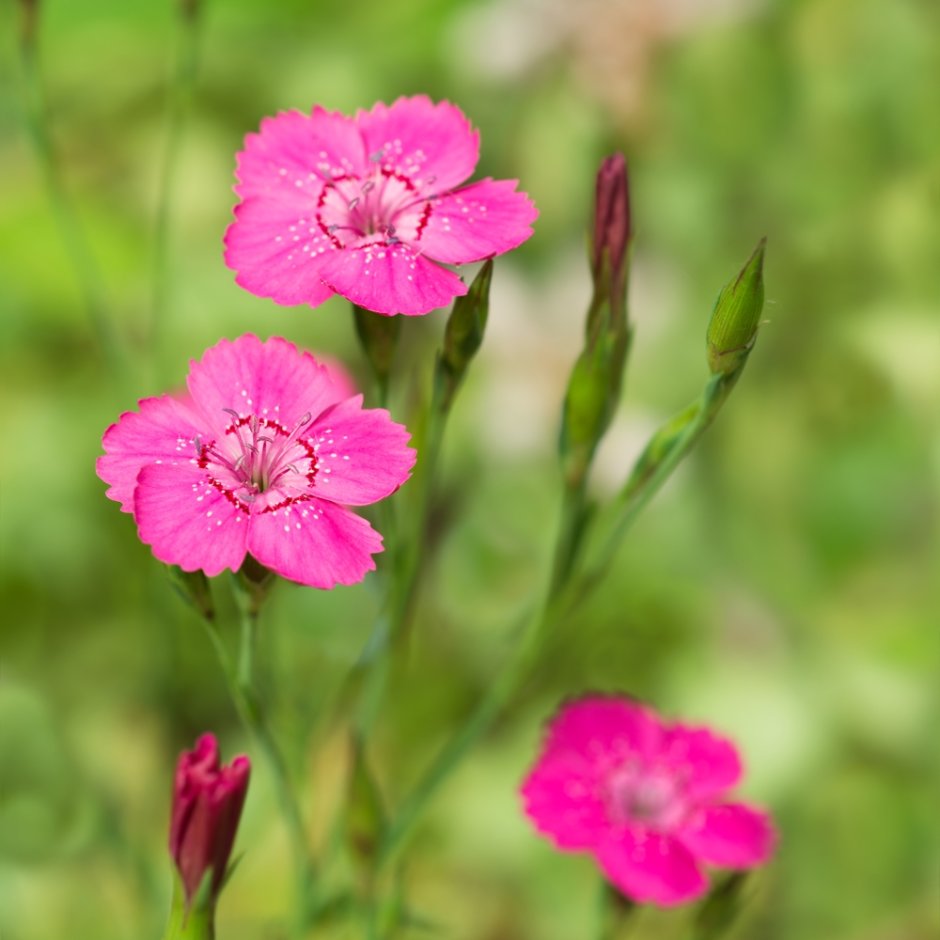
783, 586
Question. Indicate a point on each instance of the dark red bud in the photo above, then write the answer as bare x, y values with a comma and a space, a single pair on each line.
207, 804
611, 219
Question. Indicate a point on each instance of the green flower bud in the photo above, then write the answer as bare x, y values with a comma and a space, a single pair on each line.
736, 317
463, 334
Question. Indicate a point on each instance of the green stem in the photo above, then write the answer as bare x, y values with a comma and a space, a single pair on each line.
248, 707
181, 90
652, 469
70, 230
617, 914
570, 532
494, 699
393, 621
655, 465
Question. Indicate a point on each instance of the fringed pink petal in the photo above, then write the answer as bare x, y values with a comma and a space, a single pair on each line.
363, 455
390, 279
314, 543
707, 763
730, 834
271, 380
294, 153
277, 246
187, 521
162, 431
563, 797
432, 145
482, 220
605, 730
649, 867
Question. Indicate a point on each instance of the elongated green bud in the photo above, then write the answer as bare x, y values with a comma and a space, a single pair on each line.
736, 317
593, 391
463, 334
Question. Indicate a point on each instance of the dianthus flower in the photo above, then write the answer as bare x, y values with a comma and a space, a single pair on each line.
262, 457
645, 797
363, 206
207, 804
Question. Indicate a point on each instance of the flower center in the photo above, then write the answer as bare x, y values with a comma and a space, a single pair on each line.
261, 456
648, 796
384, 207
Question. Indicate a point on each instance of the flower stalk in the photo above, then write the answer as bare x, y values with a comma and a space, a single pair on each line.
593, 391
249, 709
660, 458
378, 337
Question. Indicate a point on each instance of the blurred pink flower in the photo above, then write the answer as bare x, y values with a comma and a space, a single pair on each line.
645, 797
262, 457
362, 206
207, 804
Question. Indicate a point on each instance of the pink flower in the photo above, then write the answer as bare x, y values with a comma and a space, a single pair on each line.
645, 797
362, 207
207, 804
262, 456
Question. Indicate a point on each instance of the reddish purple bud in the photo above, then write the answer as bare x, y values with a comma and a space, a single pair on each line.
207, 804
611, 221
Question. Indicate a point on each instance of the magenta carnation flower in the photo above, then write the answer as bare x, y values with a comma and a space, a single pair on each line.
262, 456
645, 797
364, 206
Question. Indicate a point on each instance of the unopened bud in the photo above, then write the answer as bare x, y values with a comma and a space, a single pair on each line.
207, 805
612, 231
467, 323
736, 317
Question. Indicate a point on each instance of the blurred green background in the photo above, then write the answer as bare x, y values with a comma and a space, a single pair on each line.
784, 585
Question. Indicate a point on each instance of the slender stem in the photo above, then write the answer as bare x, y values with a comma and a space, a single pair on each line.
617, 914
653, 468
392, 623
70, 230
249, 711
181, 90
494, 699
570, 532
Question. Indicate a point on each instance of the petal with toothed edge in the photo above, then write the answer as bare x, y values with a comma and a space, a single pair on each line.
362, 455
271, 379
432, 145
649, 867
315, 543
708, 763
187, 521
562, 797
730, 834
391, 279
604, 730
277, 247
485, 219
293, 152
162, 431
